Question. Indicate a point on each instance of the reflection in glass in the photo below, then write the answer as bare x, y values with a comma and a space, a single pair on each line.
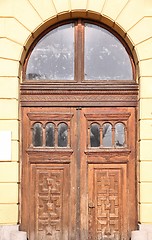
49, 131
105, 56
119, 135
53, 56
95, 135
37, 135
107, 135
62, 135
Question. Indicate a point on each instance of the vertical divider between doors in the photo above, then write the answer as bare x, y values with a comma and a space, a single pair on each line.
78, 112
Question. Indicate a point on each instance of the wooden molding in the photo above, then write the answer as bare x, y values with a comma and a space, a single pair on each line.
79, 95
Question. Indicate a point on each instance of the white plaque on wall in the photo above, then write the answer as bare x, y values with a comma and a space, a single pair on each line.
5, 145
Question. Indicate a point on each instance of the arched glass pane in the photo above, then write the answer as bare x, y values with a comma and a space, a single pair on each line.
107, 135
105, 56
62, 135
119, 135
95, 135
53, 56
49, 131
37, 135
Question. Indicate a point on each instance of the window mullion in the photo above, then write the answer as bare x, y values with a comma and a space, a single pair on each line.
79, 51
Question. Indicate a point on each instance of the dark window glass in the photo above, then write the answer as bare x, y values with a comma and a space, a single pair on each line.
119, 135
53, 56
62, 135
95, 135
105, 56
37, 135
49, 131
107, 135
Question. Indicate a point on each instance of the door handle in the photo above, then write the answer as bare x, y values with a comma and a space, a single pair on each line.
91, 205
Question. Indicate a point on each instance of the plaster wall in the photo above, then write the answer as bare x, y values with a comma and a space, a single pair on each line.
21, 21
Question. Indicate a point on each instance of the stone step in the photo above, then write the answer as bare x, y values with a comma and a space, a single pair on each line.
144, 232
18, 235
12, 232
139, 235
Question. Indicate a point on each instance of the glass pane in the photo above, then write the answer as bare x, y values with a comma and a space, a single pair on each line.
95, 135
62, 135
53, 56
119, 135
49, 131
37, 135
107, 135
105, 56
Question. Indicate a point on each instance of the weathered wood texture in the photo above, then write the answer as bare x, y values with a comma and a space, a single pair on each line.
78, 191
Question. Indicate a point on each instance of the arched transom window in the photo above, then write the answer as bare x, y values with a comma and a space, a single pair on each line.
79, 51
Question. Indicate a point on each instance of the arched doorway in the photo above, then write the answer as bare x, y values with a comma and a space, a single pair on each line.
79, 99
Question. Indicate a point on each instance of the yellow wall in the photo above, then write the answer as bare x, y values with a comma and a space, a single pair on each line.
20, 23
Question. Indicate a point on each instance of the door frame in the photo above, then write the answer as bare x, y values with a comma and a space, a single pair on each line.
79, 93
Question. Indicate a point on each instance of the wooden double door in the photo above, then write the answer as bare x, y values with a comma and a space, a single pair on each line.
78, 173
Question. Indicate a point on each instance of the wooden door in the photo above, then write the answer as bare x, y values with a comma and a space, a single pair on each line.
78, 173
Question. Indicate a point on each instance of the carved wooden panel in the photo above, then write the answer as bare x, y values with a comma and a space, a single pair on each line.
50, 184
96, 94
107, 200
81, 99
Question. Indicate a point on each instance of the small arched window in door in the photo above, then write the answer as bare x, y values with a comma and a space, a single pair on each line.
119, 135
50, 135
62, 135
37, 138
95, 135
107, 135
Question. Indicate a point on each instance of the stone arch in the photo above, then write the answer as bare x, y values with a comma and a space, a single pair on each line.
22, 21
65, 16
126, 17
128, 28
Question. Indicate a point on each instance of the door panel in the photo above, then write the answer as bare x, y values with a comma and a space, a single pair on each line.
80, 173
49, 174
107, 201
49, 187
108, 180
